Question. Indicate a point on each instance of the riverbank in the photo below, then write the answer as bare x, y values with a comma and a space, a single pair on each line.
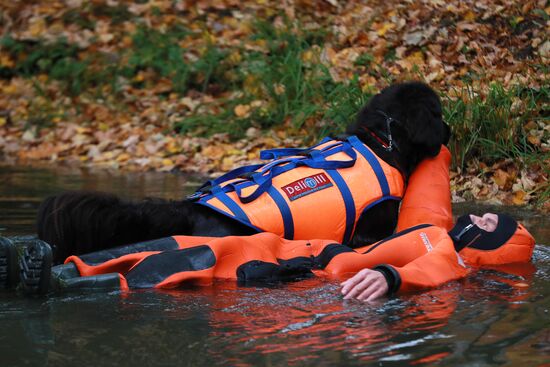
504, 183
203, 87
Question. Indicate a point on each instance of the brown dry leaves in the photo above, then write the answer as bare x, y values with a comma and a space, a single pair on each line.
441, 41
502, 183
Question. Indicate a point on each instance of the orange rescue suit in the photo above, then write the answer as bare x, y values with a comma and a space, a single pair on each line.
417, 258
428, 195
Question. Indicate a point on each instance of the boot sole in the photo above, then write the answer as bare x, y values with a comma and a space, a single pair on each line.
9, 271
36, 268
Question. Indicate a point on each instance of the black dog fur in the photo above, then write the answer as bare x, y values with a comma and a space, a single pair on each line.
81, 222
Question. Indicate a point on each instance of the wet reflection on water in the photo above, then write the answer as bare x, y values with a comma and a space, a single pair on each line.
495, 316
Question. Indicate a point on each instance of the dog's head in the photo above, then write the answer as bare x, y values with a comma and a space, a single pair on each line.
417, 129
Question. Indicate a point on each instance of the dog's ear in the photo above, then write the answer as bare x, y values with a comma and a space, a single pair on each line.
420, 110
425, 127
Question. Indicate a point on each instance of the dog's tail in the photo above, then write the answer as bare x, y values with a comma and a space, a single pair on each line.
82, 222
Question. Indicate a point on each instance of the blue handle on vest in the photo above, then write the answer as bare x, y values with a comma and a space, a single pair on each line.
314, 159
263, 182
281, 152
236, 173
208, 186
276, 153
262, 174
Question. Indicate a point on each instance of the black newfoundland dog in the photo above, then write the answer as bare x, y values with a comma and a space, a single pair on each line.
402, 125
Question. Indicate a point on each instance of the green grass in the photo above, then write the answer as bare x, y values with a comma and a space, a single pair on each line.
159, 52
295, 87
493, 126
59, 61
288, 86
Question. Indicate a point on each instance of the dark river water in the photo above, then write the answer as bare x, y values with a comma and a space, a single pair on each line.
491, 318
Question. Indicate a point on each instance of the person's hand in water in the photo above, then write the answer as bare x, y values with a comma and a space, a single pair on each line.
366, 285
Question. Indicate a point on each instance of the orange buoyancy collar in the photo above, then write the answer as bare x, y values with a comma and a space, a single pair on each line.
508, 243
317, 192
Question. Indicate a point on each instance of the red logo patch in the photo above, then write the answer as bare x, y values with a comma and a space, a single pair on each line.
306, 186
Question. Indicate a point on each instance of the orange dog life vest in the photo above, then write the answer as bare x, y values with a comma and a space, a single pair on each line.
318, 192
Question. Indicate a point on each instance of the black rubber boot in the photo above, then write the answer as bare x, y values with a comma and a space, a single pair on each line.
65, 271
36, 267
99, 282
67, 278
39, 277
9, 269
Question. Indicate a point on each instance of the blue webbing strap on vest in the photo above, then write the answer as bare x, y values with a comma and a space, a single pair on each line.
285, 152
263, 182
288, 221
219, 193
373, 161
236, 173
349, 204
281, 152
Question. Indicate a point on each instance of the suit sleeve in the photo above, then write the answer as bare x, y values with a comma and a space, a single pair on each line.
428, 195
439, 265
